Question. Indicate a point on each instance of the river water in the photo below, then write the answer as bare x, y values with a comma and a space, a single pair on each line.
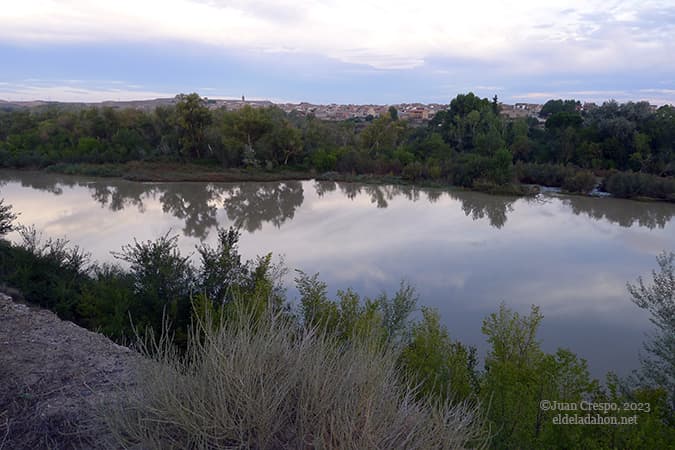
465, 252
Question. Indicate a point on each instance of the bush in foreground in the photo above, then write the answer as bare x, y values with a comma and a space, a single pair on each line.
265, 383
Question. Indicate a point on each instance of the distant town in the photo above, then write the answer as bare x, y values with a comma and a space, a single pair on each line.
411, 112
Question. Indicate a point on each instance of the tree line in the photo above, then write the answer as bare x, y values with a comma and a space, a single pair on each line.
469, 144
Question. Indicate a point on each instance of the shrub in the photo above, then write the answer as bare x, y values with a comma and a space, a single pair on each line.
162, 281
323, 160
581, 182
544, 174
440, 366
222, 271
468, 168
6, 218
265, 384
48, 273
414, 171
626, 185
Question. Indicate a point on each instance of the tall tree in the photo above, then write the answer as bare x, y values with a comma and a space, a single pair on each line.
193, 118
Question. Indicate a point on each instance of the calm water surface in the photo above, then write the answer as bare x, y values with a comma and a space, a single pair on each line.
464, 251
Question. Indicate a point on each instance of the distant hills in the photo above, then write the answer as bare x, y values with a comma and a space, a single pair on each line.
137, 104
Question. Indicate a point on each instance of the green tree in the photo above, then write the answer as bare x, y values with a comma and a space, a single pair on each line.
193, 116
393, 113
658, 365
382, 136
520, 142
559, 106
501, 170
6, 218
249, 125
519, 375
286, 141
441, 367
511, 383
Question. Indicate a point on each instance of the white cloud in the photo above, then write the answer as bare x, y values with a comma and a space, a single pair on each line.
381, 33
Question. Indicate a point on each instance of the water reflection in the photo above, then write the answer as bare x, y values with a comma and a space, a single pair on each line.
464, 251
380, 195
495, 208
625, 213
119, 197
250, 205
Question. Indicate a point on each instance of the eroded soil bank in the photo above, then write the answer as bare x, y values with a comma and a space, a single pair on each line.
54, 377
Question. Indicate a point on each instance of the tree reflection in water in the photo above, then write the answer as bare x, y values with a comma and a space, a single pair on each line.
626, 213
248, 205
478, 206
380, 195
121, 196
475, 205
251, 204
323, 187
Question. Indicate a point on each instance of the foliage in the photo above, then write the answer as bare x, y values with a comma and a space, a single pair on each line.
441, 367
628, 185
158, 283
222, 272
193, 117
48, 273
465, 143
559, 106
564, 120
6, 218
581, 182
658, 366
162, 280
381, 320
259, 382
519, 375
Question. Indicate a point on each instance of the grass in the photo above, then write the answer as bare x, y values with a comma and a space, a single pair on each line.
268, 384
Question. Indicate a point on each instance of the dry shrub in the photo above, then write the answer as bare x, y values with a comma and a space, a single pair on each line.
264, 384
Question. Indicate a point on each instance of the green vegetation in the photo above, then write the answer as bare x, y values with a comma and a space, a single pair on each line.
628, 185
469, 144
659, 299
234, 363
263, 382
7, 218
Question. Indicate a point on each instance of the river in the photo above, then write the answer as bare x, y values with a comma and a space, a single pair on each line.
465, 252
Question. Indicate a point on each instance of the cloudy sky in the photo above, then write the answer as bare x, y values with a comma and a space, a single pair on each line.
342, 51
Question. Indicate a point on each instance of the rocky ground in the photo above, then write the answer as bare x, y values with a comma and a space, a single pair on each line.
54, 378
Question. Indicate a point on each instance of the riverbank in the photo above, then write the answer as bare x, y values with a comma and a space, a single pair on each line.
170, 171
54, 376
188, 172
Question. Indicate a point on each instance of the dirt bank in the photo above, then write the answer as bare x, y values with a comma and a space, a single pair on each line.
54, 376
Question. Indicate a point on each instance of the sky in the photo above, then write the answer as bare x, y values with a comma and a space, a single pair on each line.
338, 51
